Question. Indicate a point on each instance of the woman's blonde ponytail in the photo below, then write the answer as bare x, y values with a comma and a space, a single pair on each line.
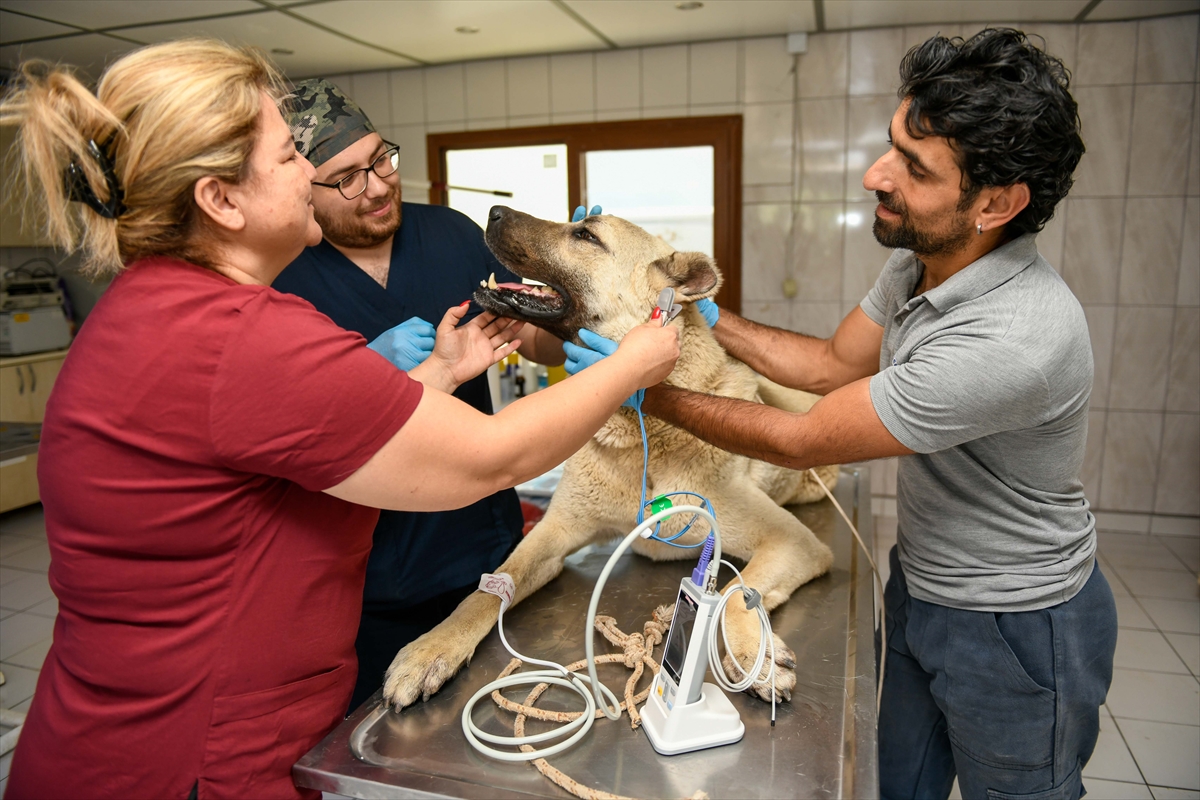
58, 116
162, 117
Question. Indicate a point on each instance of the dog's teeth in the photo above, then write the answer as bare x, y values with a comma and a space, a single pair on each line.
491, 281
483, 284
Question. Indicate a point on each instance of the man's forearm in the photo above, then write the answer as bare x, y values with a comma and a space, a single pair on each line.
739, 426
541, 347
805, 362
790, 359
840, 428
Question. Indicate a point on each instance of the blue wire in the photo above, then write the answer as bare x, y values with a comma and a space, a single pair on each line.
641, 515
637, 406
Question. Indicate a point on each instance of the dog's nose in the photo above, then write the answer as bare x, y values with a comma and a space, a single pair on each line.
496, 213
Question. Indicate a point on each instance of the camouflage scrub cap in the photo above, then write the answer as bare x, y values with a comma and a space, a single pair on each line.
323, 120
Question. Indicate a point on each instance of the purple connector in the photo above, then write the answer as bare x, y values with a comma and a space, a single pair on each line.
705, 557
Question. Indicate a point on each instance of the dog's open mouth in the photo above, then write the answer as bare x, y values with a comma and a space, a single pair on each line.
522, 301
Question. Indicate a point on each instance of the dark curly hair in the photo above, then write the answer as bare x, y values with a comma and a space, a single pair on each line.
1004, 105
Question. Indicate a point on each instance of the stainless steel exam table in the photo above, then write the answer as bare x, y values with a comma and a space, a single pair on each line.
823, 744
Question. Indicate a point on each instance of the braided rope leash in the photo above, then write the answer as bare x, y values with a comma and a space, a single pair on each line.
637, 655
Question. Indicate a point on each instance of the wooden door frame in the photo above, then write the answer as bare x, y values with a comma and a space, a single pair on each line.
723, 133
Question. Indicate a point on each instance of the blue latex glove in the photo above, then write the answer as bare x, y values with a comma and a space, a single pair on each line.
709, 310
407, 344
581, 212
595, 348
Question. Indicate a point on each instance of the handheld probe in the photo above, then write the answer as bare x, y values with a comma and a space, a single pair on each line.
667, 309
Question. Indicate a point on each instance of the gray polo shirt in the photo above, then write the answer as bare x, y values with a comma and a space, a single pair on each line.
987, 378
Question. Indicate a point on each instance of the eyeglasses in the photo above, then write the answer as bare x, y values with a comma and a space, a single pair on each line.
355, 183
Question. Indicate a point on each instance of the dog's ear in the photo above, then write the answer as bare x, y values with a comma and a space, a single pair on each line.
693, 275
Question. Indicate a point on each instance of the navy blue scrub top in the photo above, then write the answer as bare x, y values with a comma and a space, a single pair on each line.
438, 259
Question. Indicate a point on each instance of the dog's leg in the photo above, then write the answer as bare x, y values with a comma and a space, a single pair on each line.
423, 666
783, 554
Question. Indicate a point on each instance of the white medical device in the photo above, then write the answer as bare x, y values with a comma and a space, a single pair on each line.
683, 713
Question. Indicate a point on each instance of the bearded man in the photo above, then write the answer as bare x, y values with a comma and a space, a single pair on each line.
383, 269
969, 360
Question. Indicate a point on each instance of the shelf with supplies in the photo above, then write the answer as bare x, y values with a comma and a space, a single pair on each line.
25, 384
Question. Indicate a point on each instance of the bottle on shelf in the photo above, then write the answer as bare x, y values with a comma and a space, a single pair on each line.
507, 385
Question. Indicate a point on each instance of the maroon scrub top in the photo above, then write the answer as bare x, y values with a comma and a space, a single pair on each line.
209, 592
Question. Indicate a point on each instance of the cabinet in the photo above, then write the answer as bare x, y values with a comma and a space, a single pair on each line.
18, 482
25, 384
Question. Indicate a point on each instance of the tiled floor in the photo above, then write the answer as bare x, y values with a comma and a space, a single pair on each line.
1149, 743
27, 609
1149, 729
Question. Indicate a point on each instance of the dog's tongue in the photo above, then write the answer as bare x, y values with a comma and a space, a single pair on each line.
520, 288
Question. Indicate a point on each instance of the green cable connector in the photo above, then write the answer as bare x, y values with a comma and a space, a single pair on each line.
660, 503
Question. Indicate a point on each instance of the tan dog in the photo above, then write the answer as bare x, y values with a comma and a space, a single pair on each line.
605, 274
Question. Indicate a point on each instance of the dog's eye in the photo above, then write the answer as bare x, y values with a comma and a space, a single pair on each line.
586, 235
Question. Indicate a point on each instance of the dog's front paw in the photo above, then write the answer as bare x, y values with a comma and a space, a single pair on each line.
420, 669
785, 670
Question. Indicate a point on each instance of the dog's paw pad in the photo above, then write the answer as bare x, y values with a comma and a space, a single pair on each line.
418, 671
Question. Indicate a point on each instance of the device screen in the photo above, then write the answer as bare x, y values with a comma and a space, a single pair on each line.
677, 639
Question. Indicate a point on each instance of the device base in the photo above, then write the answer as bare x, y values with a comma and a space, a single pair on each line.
711, 721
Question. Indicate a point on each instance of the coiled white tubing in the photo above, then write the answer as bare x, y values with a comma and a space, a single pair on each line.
766, 640
558, 675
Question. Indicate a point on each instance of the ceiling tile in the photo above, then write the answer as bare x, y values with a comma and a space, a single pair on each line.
840, 14
314, 52
1134, 9
17, 28
91, 52
116, 13
425, 29
631, 23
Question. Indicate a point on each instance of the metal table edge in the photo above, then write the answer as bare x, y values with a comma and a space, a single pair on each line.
861, 776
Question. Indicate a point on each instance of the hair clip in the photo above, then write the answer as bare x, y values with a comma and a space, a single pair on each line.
80, 191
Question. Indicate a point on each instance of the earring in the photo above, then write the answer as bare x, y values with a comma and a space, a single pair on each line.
979, 229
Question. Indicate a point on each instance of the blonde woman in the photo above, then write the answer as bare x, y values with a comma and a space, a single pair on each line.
214, 451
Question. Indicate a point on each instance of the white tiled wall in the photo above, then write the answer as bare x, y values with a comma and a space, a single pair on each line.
1128, 256
1127, 240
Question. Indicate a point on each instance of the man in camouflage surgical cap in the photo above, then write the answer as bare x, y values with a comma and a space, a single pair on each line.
383, 269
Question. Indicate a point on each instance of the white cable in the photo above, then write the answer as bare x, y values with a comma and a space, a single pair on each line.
878, 582
595, 693
644, 530
766, 641
558, 675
